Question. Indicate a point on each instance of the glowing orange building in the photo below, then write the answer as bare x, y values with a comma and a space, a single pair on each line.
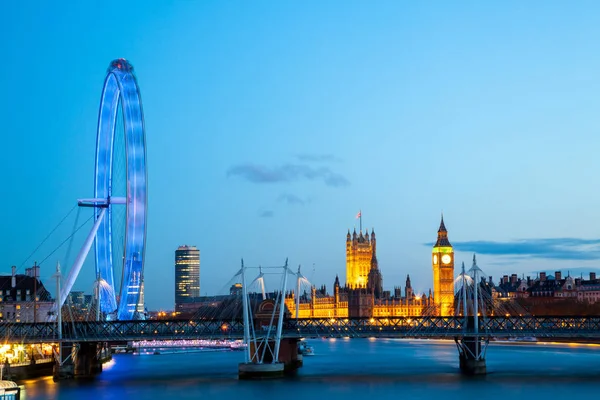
359, 254
442, 262
363, 294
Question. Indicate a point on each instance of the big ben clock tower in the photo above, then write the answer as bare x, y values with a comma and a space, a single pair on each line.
443, 273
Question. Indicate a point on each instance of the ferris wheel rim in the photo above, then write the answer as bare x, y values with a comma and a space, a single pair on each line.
121, 91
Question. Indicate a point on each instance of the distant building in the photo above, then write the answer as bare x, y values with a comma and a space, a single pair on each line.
187, 275
76, 298
81, 307
363, 294
235, 289
549, 288
23, 298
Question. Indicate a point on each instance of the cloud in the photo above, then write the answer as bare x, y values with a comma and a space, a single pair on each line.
265, 214
291, 199
552, 248
317, 158
287, 173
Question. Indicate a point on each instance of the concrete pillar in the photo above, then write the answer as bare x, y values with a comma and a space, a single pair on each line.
63, 369
87, 361
81, 360
289, 356
260, 371
471, 350
470, 355
288, 362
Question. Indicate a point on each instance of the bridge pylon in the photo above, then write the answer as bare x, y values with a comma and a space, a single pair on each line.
267, 355
472, 345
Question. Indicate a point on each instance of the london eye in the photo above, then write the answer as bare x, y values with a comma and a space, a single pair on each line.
120, 198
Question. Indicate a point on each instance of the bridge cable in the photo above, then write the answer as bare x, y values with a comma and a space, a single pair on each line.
67, 239
30, 303
48, 236
70, 246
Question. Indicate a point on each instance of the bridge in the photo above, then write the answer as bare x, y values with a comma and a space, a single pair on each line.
398, 327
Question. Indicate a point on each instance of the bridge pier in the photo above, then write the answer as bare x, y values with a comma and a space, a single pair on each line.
64, 368
81, 360
87, 360
289, 355
471, 346
471, 355
288, 362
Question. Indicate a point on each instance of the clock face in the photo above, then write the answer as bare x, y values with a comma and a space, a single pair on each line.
435, 258
446, 259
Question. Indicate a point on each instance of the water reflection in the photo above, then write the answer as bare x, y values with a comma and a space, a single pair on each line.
367, 367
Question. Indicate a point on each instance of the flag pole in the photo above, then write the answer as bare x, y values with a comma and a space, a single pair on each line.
360, 213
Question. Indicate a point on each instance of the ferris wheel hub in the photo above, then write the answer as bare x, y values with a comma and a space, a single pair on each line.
101, 203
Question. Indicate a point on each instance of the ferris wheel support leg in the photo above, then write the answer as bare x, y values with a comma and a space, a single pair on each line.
85, 249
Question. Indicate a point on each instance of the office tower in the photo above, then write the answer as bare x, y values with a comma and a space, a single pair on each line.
187, 275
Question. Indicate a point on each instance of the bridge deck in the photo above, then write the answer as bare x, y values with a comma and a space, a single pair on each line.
419, 327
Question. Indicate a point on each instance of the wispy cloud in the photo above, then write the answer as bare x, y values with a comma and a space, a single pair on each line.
550, 248
287, 173
265, 214
317, 158
291, 199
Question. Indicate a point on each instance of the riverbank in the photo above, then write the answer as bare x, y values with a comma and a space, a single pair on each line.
30, 370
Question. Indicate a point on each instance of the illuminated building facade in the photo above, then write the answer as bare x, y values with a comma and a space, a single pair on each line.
442, 262
347, 302
359, 253
320, 304
363, 294
187, 275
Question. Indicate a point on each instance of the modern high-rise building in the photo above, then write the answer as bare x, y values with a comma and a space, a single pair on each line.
187, 275
443, 273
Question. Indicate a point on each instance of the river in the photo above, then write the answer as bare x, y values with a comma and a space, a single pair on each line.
346, 368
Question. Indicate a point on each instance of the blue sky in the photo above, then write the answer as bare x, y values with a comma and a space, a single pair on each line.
270, 124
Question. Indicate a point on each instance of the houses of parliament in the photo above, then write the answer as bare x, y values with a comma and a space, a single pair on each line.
362, 295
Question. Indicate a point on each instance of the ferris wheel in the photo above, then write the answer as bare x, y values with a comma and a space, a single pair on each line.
120, 197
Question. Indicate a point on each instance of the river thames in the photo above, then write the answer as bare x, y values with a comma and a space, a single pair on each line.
346, 368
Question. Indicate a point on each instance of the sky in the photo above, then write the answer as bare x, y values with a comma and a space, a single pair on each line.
270, 124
